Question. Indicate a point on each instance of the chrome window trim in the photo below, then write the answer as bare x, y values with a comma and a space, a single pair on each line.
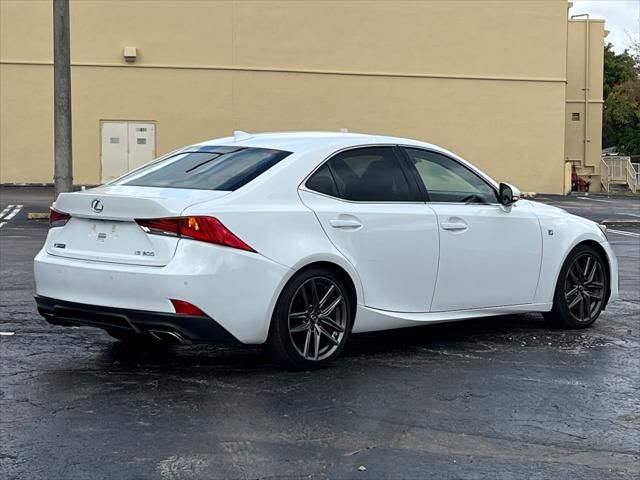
357, 202
473, 204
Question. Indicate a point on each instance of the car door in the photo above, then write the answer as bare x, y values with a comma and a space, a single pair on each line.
490, 255
376, 217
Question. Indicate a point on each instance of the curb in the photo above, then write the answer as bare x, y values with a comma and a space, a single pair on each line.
603, 194
621, 223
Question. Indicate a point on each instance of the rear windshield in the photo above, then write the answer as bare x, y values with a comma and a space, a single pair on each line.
209, 168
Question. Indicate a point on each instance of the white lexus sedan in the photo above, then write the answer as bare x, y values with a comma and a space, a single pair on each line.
297, 240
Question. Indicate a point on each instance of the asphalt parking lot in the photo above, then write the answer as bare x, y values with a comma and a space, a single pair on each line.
503, 398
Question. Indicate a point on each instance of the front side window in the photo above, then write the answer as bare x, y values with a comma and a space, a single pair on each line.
371, 174
449, 181
219, 168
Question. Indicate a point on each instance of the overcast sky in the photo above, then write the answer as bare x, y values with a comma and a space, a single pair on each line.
622, 18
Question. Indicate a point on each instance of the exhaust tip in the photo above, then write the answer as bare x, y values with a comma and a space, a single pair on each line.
167, 336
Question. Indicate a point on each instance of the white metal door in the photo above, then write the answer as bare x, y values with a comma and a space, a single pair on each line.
125, 146
114, 158
142, 148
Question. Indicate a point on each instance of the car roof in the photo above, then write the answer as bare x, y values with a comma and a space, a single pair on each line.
305, 141
308, 142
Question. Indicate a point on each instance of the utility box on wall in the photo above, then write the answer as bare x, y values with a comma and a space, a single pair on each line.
125, 146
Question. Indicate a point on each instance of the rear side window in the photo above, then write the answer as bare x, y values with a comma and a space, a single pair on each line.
223, 168
371, 174
322, 181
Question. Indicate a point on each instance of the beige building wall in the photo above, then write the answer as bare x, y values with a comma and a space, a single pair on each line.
585, 50
485, 79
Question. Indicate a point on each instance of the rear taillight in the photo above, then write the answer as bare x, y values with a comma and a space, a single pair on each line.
210, 229
185, 308
204, 229
161, 226
57, 218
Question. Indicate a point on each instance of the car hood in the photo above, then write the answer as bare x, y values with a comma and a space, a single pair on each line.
543, 207
543, 210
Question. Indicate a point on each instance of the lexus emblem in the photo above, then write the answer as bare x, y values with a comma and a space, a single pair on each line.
96, 205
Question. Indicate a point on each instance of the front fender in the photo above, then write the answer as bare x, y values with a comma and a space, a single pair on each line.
561, 233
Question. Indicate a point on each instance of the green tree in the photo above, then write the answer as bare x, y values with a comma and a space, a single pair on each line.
635, 48
618, 68
621, 118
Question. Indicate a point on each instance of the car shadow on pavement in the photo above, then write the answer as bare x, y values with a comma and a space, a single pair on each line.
178, 357
504, 333
500, 331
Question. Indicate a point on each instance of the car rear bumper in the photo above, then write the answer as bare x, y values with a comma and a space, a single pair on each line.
182, 329
237, 289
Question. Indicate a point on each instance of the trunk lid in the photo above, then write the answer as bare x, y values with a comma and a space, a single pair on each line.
102, 227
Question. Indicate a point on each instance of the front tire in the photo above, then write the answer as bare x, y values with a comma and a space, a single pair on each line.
581, 290
311, 321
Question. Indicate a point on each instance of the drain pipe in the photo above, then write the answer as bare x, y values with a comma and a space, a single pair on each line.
587, 71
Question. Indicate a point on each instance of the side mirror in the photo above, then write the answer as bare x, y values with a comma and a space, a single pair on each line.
508, 194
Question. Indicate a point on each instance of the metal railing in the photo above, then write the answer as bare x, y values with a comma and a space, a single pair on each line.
619, 171
604, 175
632, 177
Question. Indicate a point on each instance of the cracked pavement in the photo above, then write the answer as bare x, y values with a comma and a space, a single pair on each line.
500, 398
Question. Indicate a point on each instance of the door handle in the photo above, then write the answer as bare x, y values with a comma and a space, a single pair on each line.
454, 225
342, 223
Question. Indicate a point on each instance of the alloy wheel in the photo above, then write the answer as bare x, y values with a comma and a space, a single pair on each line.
584, 287
317, 318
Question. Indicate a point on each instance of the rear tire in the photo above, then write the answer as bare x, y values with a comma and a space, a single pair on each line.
581, 290
312, 320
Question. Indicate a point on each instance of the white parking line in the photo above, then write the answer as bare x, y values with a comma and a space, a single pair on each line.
5, 211
13, 213
8, 334
622, 232
2, 224
596, 199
